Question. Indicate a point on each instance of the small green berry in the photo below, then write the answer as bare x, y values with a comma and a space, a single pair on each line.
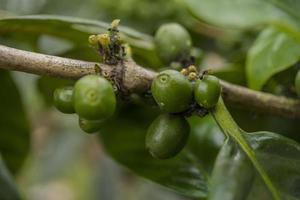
90, 126
167, 135
297, 83
63, 99
172, 41
207, 91
172, 91
94, 98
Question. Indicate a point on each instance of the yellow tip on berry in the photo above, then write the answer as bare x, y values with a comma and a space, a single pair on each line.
192, 68
93, 39
103, 39
115, 23
192, 76
184, 72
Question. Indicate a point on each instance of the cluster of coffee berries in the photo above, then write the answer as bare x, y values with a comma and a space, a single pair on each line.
174, 93
92, 98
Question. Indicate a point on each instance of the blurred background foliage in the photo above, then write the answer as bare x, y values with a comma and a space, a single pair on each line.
61, 162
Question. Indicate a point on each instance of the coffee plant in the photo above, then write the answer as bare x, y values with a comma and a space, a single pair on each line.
205, 103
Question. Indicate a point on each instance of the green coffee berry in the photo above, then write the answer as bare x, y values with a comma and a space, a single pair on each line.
172, 41
63, 99
207, 91
89, 126
94, 98
172, 91
297, 83
167, 135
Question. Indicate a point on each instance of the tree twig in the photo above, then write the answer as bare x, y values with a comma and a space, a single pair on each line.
137, 79
260, 102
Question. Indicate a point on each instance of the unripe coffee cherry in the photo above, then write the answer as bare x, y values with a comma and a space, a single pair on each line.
89, 126
94, 98
297, 83
63, 99
207, 91
167, 135
172, 41
172, 91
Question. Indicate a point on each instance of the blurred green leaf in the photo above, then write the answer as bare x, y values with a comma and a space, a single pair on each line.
272, 52
145, 15
77, 31
78, 8
22, 6
52, 45
234, 73
8, 187
251, 121
124, 139
24, 42
248, 13
234, 176
82, 53
14, 127
205, 140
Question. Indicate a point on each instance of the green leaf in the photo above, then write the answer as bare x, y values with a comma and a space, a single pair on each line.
21, 6
233, 73
14, 127
234, 176
8, 187
245, 14
280, 157
74, 29
274, 158
231, 129
77, 31
87, 8
82, 53
272, 52
205, 140
124, 140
